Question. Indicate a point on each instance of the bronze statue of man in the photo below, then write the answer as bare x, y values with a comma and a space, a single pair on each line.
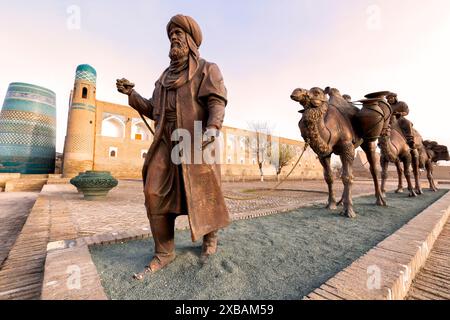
400, 110
190, 90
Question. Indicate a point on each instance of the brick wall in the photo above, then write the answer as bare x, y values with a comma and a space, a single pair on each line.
123, 155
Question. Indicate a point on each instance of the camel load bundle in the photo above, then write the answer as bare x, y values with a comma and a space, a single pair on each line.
374, 117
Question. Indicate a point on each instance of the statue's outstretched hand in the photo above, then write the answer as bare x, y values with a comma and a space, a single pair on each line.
124, 86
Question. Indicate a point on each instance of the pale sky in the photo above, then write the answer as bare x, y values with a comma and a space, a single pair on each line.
265, 49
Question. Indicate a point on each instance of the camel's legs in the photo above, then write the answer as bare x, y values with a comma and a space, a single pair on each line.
370, 149
328, 176
347, 158
407, 168
400, 176
415, 165
384, 173
429, 168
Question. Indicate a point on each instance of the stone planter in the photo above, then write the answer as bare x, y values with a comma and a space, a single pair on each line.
94, 184
79, 175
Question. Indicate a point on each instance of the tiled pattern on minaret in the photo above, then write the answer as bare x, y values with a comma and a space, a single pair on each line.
28, 130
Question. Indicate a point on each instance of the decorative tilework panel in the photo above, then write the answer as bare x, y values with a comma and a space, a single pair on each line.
28, 117
27, 159
85, 76
21, 86
80, 143
38, 97
26, 139
12, 126
9, 152
82, 106
29, 106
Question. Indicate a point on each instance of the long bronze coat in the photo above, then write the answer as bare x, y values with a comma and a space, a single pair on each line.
206, 206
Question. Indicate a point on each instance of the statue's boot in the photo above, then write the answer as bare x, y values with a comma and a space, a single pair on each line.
209, 247
163, 232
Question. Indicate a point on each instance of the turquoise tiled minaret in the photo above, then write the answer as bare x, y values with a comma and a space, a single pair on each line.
86, 73
28, 130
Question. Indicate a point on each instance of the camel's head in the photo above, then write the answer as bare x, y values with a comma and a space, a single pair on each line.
309, 98
301, 96
440, 152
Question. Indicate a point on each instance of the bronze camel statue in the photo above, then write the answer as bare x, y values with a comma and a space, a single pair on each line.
335, 126
394, 148
429, 152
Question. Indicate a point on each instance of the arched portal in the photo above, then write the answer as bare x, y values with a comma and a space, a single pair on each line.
113, 126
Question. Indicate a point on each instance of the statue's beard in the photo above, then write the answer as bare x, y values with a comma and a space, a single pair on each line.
178, 51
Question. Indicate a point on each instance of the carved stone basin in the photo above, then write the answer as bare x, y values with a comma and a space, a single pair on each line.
94, 184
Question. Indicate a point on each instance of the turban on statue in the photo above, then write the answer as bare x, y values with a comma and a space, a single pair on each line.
194, 40
188, 25
391, 94
192, 29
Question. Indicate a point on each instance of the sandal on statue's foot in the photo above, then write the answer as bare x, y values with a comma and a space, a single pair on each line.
141, 276
154, 266
208, 251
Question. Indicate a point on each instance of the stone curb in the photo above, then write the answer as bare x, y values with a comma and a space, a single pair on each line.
71, 274
386, 272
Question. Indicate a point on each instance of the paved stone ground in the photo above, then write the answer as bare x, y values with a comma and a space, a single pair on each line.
124, 208
14, 210
62, 214
276, 257
433, 282
22, 272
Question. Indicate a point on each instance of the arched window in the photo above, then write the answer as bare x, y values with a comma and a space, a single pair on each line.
113, 126
112, 152
139, 131
85, 93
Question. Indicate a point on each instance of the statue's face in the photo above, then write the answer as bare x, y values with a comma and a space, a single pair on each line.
391, 100
178, 44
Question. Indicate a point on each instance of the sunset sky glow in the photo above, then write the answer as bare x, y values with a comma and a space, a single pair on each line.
265, 49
